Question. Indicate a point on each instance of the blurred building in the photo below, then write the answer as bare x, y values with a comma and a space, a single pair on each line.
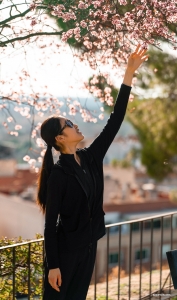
17, 179
128, 194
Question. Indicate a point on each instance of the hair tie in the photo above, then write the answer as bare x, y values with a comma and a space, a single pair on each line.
49, 147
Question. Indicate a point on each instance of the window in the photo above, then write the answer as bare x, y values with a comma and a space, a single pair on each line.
157, 223
147, 225
167, 222
144, 255
135, 226
114, 258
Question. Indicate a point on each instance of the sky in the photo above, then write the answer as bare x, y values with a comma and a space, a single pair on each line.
59, 70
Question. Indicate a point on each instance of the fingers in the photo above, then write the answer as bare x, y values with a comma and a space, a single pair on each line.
54, 279
144, 58
54, 285
59, 280
140, 51
137, 48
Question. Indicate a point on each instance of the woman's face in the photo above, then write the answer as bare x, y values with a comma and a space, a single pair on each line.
69, 135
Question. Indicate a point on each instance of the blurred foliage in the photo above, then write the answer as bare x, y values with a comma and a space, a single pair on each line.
24, 262
173, 196
122, 163
155, 118
127, 161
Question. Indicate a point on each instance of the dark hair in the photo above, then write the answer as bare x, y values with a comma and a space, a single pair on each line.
49, 130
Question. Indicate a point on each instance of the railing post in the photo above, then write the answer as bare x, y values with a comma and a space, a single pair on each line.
161, 245
43, 266
119, 261
13, 263
95, 278
141, 246
107, 267
171, 245
130, 262
29, 270
151, 257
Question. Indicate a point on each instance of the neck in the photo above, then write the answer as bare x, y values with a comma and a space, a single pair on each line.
70, 150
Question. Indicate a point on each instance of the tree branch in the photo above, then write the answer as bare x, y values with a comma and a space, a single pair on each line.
4, 43
15, 16
20, 15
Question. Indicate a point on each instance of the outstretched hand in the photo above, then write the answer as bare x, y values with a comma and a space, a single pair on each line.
136, 59
134, 62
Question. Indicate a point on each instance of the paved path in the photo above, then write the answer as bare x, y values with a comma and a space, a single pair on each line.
135, 281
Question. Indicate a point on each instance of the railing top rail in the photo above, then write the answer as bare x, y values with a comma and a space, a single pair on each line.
107, 226
142, 219
22, 243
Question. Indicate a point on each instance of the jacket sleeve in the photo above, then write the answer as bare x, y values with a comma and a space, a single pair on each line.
102, 142
53, 206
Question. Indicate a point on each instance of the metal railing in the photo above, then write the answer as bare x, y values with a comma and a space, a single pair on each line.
152, 226
21, 270
19, 273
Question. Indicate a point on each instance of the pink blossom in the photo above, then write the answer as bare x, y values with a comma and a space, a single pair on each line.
88, 44
82, 5
32, 6
131, 97
123, 2
26, 158
107, 90
43, 152
101, 116
33, 22
32, 161
14, 133
40, 159
40, 142
36, 170
83, 24
9, 119
17, 127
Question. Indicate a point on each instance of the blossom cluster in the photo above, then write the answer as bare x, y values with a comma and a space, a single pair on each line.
104, 33
105, 28
101, 88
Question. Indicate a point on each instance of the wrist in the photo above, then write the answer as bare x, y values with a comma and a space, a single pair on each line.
129, 71
128, 77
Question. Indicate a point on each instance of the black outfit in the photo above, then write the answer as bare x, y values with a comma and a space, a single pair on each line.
79, 204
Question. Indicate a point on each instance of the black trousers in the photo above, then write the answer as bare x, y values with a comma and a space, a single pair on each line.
76, 271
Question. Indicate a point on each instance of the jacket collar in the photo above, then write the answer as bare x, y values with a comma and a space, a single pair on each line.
66, 161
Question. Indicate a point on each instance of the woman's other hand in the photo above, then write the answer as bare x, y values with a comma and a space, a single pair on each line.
134, 62
54, 278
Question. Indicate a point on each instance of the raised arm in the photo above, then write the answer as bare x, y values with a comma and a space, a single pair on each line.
102, 142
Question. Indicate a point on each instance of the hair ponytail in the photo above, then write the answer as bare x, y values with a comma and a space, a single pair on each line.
45, 171
49, 129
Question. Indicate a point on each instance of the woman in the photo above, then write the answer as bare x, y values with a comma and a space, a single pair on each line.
73, 190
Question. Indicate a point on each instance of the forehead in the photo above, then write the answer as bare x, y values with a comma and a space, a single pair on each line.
62, 121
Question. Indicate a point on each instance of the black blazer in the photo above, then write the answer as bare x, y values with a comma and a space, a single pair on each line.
79, 226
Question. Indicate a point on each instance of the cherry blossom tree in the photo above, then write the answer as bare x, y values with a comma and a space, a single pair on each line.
102, 32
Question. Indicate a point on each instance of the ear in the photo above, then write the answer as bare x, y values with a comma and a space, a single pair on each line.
59, 138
